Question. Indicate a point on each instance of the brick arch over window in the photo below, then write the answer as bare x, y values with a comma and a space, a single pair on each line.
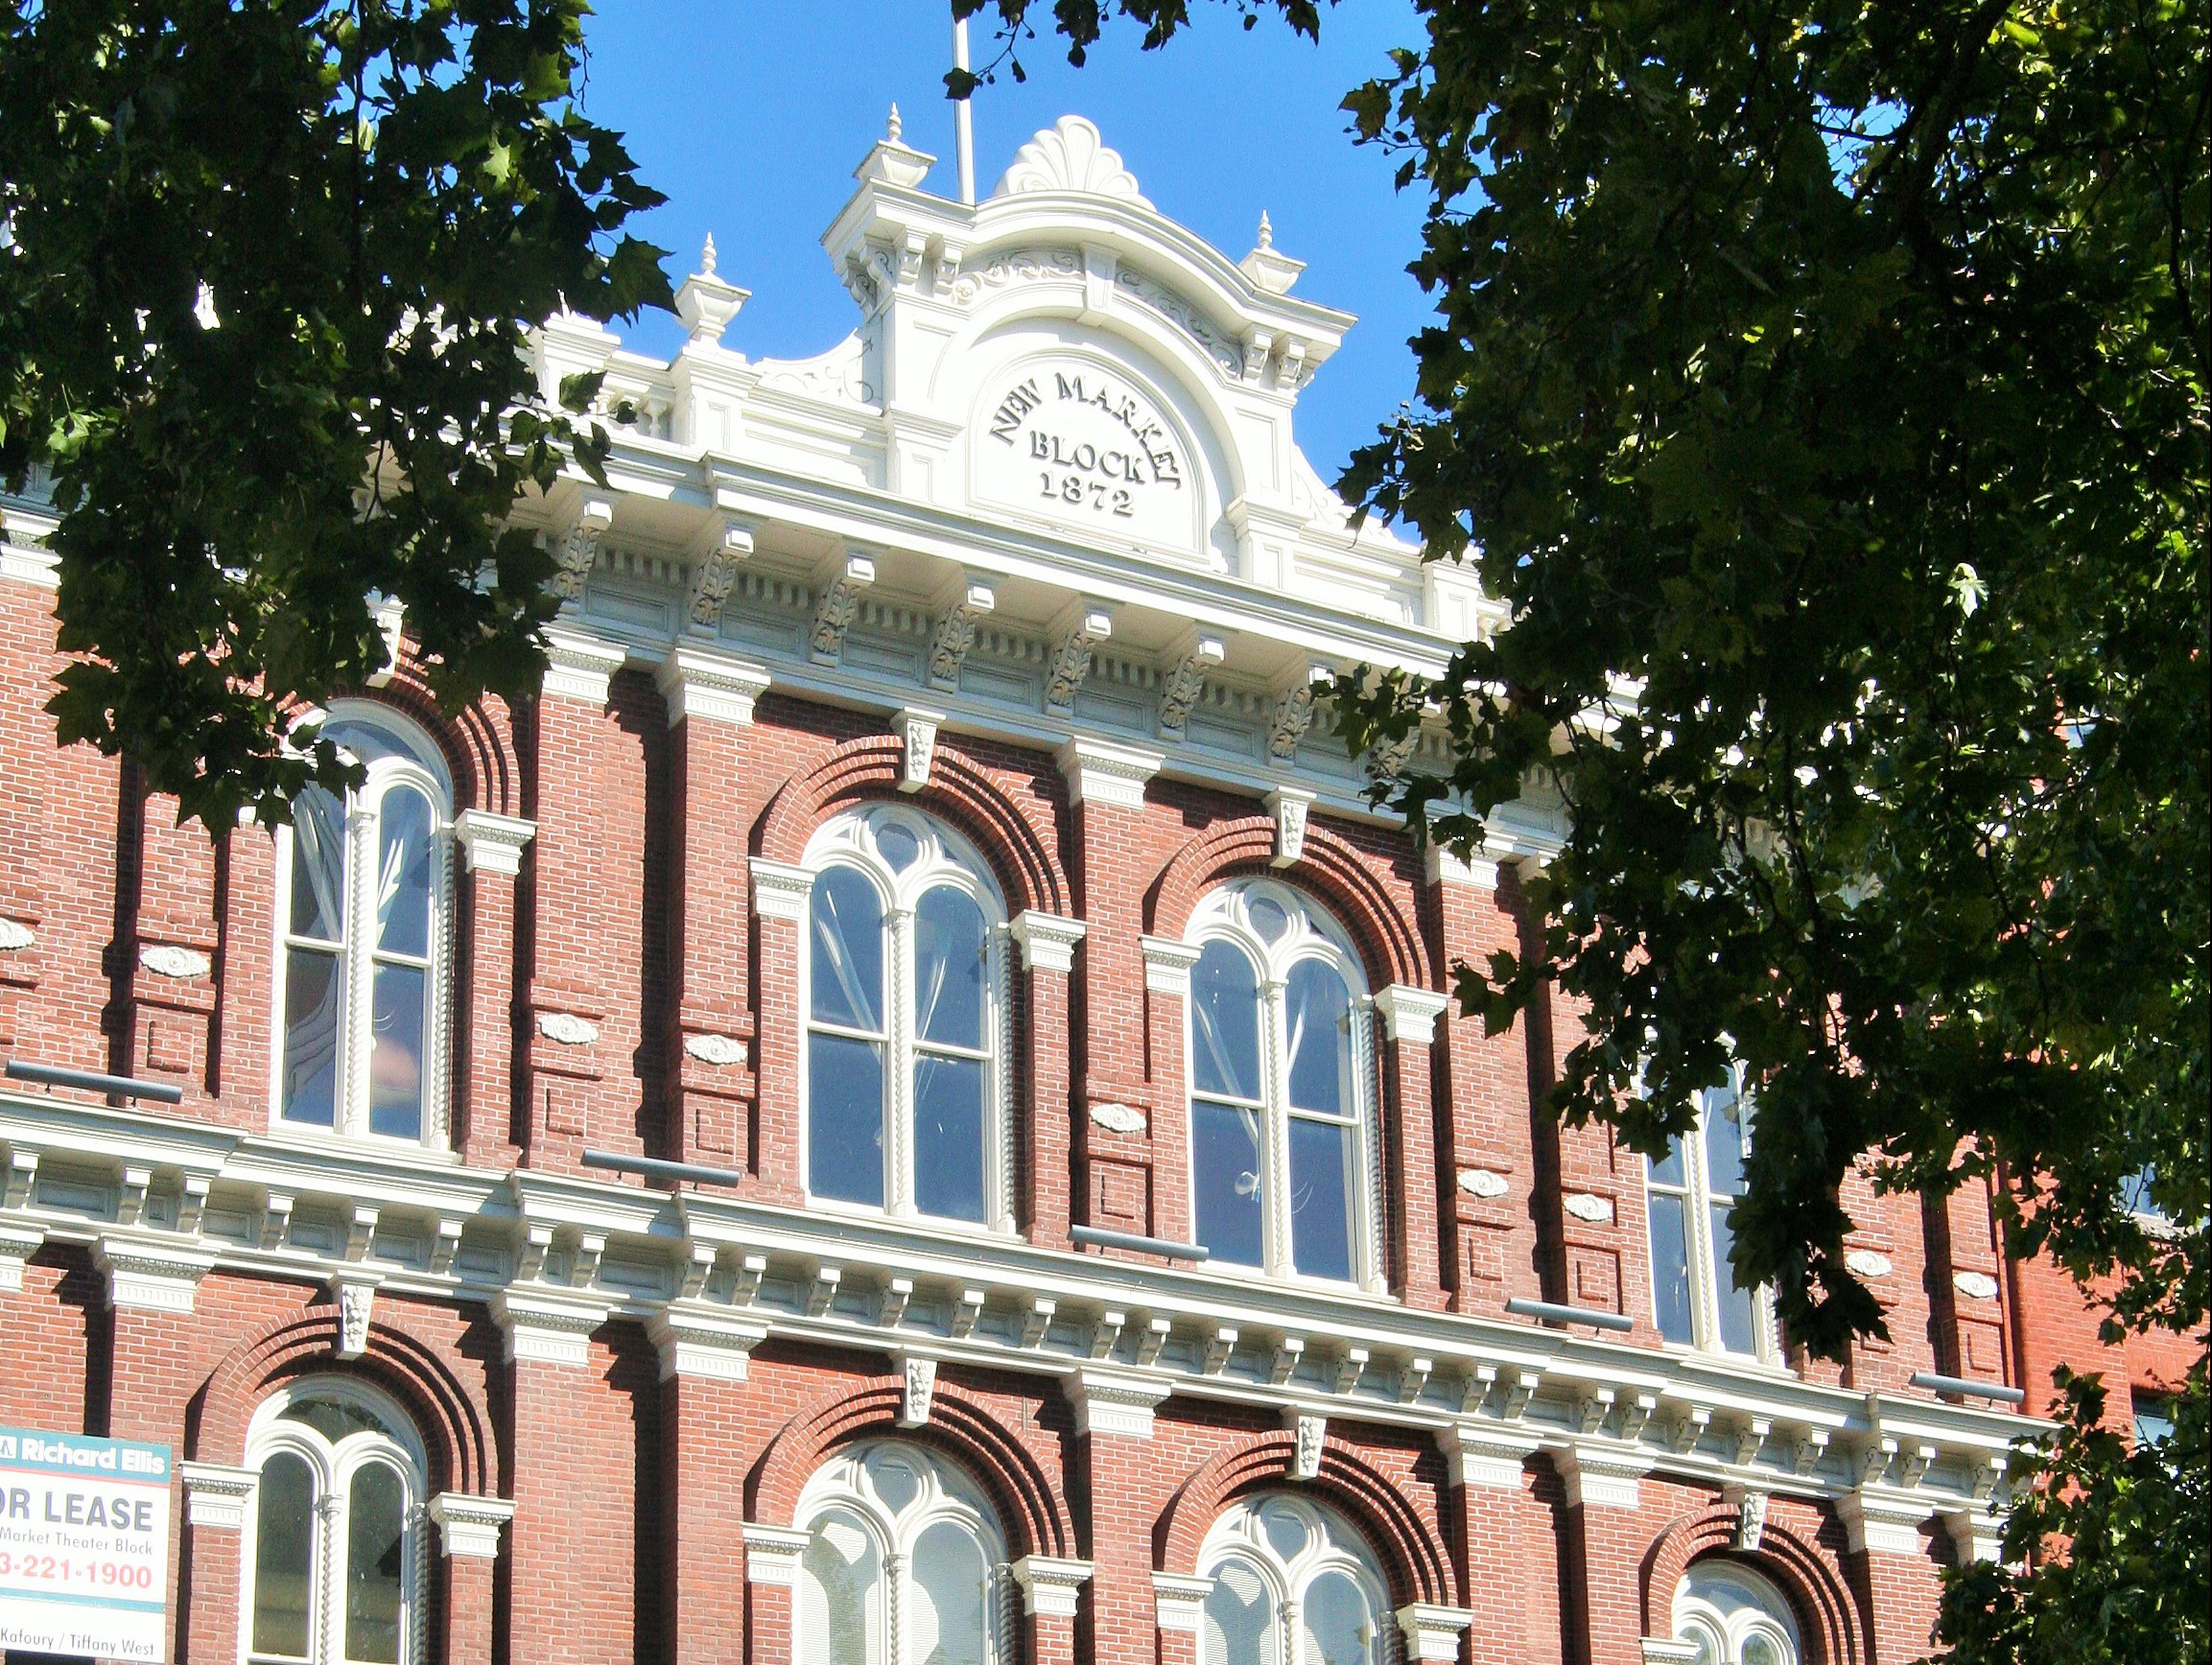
1332, 868
965, 1428
455, 1424
960, 789
477, 746
1414, 1556
1804, 1569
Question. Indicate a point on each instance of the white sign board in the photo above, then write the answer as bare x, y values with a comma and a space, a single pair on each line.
83, 1545
1078, 445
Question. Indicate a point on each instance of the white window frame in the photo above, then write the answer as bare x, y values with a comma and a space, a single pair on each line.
414, 764
1726, 1627
945, 859
1333, 1545
1705, 1267
944, 1495
334, 1464
1224, 915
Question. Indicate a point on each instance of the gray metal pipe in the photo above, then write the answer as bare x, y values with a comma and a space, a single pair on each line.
1099, 1238
1965, 1389
91, 1081
1552, 1312
653, 1167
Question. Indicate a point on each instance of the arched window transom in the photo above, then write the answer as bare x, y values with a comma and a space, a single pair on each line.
334, 1553
1282, 1077
1294, 1583
904, 1565
905, 973
1734, 1616
363, 917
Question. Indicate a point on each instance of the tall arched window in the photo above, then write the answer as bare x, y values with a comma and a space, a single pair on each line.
332, 1554
905, 1564
363, 911
1734, 1616
1294, 1583
905, 951
1689, 1196
1282, 1087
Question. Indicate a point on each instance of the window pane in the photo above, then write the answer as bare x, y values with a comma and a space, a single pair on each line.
1321, 1191
1225, 1023
1669, 1169
1339, 1628
396, 1058
310, 1085
1225, 1173
848, 973
949, 969
845, 1118
283, 1553
841, 1596
403, 874
1318, 1009
949, 1584
949, 1136
375, 1552
1240, 1626
1739, 1330
1725, 1142
1670, 1269
318, 866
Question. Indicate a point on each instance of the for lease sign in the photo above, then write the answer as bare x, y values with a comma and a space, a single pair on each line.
83, 1545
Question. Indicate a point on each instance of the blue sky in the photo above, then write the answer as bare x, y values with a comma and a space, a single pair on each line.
751, 115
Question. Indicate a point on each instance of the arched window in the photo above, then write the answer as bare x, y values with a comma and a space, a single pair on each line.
1689, 1195
333, 1553
1294, 1583
906, 965
905, 1564
1282, 1087
1734, 1616
364, 916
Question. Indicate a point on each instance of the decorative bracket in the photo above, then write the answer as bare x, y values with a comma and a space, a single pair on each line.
1079, 628
1290, 805
956, 629
577, 550
1048, 940
1294, 708
840, 605
917, 728
1184, 680
723, 546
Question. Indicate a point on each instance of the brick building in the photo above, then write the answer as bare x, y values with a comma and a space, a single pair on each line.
903, 1108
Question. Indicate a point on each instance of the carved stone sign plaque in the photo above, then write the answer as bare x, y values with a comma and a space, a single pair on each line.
1082, 446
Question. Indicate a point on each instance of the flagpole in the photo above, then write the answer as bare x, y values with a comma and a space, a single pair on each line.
963, 122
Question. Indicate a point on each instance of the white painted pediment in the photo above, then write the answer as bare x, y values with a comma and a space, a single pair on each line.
1070, 155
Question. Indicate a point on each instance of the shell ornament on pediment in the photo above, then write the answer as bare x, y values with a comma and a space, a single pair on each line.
1070, 155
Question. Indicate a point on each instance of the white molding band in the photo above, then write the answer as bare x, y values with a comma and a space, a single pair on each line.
1658, 1650
1098, 772
549, 1325
17, 1244
1048, 940
1168, 964
151, 1276
697, 1339
1050, 1584
1445, 868
1602, 1479
1486, 1456
581, 666
216, 1494
696, 683
1115, 1405
1882, 1522
772, 1554
492, 843
1432, 1632
1410, 1014
468, 1525
781, 890
1179, 1601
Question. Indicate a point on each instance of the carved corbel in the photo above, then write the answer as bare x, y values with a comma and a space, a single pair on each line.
1284, 1365
1311, 1432
575, 550
1078, 629
722, 545
1036, 1319
1151, 1339
917, 1388
898, 1295
966, 1311
1184, 680
838, 606
917, 730
822, 1293
1294, 708
956, 627
1219, 1345
1349, 1369
1290, 805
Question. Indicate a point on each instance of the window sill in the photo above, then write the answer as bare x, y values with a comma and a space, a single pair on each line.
301, 1136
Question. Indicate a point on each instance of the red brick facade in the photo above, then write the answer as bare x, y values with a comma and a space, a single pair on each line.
650, 1369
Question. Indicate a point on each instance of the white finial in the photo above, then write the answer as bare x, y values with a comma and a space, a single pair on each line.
892, 132
707, 256
1266, 233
